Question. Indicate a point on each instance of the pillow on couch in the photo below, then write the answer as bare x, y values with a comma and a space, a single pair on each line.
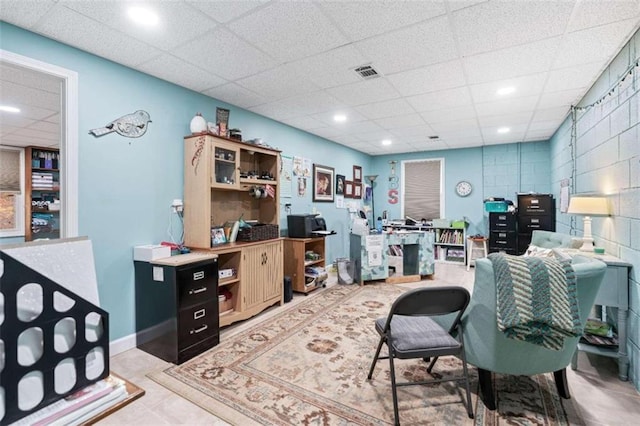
535, 251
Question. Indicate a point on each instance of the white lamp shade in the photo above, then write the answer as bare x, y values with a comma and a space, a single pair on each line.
590, 206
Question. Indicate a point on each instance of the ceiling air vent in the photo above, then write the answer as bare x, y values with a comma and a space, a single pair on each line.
366, 72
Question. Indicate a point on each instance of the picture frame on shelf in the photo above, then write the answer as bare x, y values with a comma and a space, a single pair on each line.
340, 179
218, 236
323, 183
357, 190
348, 189
357, 174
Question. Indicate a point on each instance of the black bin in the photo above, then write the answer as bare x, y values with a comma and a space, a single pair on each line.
288, 290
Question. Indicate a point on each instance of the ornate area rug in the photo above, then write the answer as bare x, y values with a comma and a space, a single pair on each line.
308, 365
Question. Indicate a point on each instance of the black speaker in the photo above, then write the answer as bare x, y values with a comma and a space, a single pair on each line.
288, 290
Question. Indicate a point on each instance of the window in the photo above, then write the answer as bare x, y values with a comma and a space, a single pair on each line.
422, 189
11, 192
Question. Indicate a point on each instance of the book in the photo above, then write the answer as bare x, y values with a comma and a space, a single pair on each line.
234, 231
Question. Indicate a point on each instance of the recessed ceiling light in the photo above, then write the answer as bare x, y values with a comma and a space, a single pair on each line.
506, 90
386, 142
7, 108
340, 118
143, 16
504, 130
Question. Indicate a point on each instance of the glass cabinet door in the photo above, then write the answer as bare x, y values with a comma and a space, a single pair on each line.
225, 166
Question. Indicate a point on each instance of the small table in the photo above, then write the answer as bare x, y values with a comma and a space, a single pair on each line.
614, 292
473, 244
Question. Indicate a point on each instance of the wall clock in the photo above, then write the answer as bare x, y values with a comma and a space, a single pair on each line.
463, 188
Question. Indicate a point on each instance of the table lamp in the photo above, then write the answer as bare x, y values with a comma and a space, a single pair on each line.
587, 207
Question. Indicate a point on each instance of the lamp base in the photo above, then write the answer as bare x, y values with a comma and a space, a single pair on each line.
587, 239
587, 245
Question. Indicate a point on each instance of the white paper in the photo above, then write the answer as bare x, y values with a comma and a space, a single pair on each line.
286, 178
374, 257
374, 242
340, 202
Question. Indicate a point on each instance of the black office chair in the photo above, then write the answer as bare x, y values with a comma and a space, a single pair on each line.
410, 333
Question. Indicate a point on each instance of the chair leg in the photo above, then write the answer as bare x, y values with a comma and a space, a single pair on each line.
430, 367
375, 358
561, 383
394, 391
466, 384
486, 388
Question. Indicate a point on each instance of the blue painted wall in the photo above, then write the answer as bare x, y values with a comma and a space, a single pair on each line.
607, 162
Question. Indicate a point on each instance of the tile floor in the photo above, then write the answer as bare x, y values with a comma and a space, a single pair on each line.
597, 394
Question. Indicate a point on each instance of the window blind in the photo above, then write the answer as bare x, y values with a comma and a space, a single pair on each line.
9, 170
422, 189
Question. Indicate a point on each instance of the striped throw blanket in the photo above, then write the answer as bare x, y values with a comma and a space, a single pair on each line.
536, 299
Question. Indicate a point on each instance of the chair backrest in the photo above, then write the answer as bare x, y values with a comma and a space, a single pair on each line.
550, 239
431, 301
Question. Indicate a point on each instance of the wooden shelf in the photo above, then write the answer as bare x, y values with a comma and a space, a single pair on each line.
295, 261
228, 281
314, 262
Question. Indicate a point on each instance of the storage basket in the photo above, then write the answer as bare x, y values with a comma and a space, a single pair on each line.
495, 206
258, 232
459, 224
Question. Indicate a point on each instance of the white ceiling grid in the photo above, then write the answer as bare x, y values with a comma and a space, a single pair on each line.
440, 62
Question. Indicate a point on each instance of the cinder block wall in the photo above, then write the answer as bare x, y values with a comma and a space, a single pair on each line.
605, 160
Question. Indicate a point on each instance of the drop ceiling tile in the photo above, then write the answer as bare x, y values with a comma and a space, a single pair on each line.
400, 121
275, 111
512, 62
462, 4
544, 126
30, 112
53, 118
169, 68
507, 106
304, 123
348, 140
558, 113
524, 86
500, 139
45, 126
505, 120
452, 98
7, 129
357, 128
77, 30
225, 11
537, 136
271, 29
236, 95
463, 128
593, 13
361, 20
24, 13
37, 135
409, 132
278, 83
464, 142
364, 92
594, 44
490, 133
225, 54
28, 78
332, 68
326, 132
432, 78
497, 25
376, 137
577, 77
423, 44
327, 117
384, 109
313, 103
559, 99
15, 94
429, 146
445, 115
177, 23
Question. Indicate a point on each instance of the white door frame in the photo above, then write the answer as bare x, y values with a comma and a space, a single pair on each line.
68, 140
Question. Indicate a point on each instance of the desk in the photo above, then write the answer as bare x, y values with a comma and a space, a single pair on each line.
370, 258
614, 292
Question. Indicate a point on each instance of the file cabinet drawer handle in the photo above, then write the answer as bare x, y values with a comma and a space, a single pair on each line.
199, 314
198, 330
197, 290
198, 275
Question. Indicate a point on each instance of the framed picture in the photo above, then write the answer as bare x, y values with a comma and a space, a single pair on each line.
357, 190
348, 189
323, 181
340, 184
218, 236
357, 174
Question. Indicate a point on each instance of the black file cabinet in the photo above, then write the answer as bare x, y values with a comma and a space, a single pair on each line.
177, 306
503, 235
535, 212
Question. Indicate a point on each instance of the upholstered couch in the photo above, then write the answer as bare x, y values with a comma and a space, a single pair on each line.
548, 240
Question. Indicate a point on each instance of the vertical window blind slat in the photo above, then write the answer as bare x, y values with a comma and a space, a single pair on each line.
422, 189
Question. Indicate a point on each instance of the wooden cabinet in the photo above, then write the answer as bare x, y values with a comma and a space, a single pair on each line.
177, 306
221, 178
296, 262
42, 193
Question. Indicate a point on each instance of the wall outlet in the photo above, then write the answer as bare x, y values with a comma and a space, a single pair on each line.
177, 206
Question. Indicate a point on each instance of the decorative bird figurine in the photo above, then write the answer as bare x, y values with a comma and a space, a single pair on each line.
130, 125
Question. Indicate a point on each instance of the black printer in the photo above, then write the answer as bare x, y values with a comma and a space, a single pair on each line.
305, 225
